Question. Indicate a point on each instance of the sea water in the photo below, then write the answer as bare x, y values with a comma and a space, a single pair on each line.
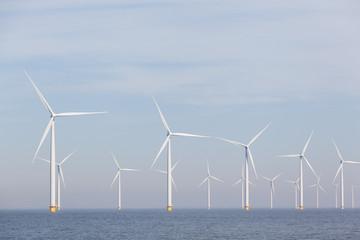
181, 224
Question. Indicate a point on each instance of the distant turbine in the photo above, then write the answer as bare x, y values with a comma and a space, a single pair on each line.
51, 125
165, 172
341, 174
59, 173
272, 188
296, 183
241, 180
209, 176
247, 155
317, 185
302, 157
168, 142
118, 175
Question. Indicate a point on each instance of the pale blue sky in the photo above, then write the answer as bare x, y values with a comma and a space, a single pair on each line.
218, 68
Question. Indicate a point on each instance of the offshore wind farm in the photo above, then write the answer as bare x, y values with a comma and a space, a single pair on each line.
259, 101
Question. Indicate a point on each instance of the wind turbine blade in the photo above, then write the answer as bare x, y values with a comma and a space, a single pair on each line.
307, 143
252, 162
341, 165
272, 187
208, 168
216, 179
67, 157
161, 115
307, 162
311, 186
338, 152
117, 164
293, 182
117, 174
130, 170
175, 165
238, 182
41, 96
43, 159
160, 171
173, 182
352, 162
68, 114
161, 149
203, 181
252, 184
189, 135
62, 176
322, 188
266, 178
43, 137
290, 155
252, 140
276, 176
233, 142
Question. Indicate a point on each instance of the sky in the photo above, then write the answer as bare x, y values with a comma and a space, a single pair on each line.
216, 68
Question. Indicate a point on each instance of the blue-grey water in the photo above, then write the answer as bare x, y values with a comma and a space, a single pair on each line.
181, 224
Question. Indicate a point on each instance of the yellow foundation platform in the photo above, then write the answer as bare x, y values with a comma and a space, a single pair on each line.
301, 207
58, 208
246, 208
119, 208
169, 208
342, 208
52, 208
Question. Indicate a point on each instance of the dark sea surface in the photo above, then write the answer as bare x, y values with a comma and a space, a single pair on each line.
181, 224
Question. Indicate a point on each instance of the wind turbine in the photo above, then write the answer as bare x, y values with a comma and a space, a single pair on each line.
241, 180
341, 170
118, 175
302, 157
272, 188
168, 143
247, 155
209, 176
59, 174
51, 125
317, 185
172, 179
296, 183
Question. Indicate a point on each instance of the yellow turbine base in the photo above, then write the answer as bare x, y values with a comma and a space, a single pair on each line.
58, 208
169, 208
119, 208
246, 208
301, 207
52, 208
342, 208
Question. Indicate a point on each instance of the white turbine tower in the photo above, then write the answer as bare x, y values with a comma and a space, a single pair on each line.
272, 188
118, 175
241, 180
247, 156
296, 184
341, 170
302, 157
209, 176
51, 125
59, 174
168, 143
317, 185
